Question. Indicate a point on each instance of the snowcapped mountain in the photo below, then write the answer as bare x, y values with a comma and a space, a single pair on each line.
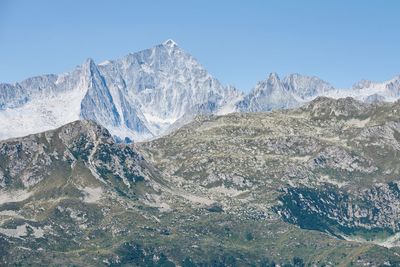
274, 93
267, 95
138, 96
369, 91
151, 92
305, 88
295, 90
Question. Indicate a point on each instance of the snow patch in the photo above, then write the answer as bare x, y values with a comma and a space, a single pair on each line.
14, 196
155, 201
41, 114
23, 230
390, 242
92, 194
227, 191
327, 179
197, 199
158, 120
356, 123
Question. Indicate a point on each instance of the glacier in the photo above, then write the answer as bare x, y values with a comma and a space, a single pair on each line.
151, 92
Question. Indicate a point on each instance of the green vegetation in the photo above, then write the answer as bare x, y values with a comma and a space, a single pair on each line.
283, 188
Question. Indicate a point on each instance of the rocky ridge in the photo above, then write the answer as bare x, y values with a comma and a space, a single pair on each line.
310, 185
152, 92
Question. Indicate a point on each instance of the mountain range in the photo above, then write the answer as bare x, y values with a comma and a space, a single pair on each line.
311, 186
149, 93
216, 179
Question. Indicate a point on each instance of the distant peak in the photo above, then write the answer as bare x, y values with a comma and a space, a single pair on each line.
89, 67
169, 43
362, 84
89, 61
395, 78
89, 64
273, 76
299, 76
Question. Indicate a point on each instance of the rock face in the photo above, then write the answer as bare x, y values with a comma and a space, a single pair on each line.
306, 87
152, 92
138, 96
28, 161
324, 107
369, 91
267, 95
287, 187
295, 90
274, 93
372, 213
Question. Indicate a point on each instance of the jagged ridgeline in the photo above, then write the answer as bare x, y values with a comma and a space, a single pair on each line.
149, 93
316, 185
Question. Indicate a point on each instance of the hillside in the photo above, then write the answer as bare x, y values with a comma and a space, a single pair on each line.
312, 185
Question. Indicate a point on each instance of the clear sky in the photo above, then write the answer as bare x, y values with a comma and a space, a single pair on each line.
239, 42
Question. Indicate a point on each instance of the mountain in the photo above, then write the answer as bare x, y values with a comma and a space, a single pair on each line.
274, 93
69, 188
138, 96
327, 167
311, 186
266, 96
295, 90
369, 91
306, 88
155, 91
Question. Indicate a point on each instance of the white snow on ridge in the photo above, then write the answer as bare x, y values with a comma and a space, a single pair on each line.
41, 114
139, 96
389, 242
149, 93
152, 118
361, 94
230, 105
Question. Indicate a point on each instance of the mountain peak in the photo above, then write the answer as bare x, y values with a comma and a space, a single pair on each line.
169, 43
273, 78
89, 65
85, 126
89, 61
362, 84
273, 75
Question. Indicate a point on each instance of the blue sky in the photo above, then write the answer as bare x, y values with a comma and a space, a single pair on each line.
239, 42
